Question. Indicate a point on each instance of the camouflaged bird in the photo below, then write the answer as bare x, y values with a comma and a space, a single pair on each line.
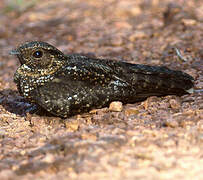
65, 85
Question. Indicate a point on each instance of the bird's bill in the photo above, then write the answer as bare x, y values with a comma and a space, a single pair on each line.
14, 52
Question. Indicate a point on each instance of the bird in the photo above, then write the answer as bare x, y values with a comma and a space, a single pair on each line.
67, 85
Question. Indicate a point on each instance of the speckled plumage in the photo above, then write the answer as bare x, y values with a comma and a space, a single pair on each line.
70, 84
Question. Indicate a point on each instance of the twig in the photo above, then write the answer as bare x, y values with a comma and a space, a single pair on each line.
179, 55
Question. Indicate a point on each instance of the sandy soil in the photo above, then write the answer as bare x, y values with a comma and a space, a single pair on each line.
160, 138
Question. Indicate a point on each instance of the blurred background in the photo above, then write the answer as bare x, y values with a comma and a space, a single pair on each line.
160, 138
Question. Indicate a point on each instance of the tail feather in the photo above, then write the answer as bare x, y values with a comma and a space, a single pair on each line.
161, 81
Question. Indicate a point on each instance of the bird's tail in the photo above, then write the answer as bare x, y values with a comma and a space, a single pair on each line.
153, 80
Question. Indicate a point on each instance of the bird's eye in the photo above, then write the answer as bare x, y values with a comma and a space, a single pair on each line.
38, 54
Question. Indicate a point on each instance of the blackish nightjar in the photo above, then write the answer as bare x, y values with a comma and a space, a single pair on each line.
65, 85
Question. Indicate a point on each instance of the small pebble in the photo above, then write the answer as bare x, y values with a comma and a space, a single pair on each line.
116, 106
175, 104
72, 125
89, 136
131, 111
137, 35
49, 158
189, 22
171, 123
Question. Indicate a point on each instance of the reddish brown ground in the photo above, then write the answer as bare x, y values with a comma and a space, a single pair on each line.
160, 138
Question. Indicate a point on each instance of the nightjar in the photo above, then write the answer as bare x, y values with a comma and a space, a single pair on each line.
66, 85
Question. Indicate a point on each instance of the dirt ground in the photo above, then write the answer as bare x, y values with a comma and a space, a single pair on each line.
160, 138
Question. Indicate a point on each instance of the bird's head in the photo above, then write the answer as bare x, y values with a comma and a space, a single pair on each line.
38, 55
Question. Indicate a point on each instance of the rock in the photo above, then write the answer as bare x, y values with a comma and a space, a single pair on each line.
116, 106
72, 125
137, 35
89, 136
175, 103
189, 22
131, 111
171, 123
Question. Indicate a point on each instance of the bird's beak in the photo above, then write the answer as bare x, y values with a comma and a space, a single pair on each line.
14, 52
18, 54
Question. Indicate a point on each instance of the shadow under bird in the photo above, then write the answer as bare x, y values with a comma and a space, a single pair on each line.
65, 85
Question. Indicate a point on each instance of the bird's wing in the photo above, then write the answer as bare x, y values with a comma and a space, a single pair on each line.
59, 97
64, 98
94, 71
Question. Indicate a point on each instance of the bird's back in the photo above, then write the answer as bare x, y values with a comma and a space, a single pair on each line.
145, 80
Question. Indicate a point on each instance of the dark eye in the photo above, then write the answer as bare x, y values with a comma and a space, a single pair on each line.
38, 54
